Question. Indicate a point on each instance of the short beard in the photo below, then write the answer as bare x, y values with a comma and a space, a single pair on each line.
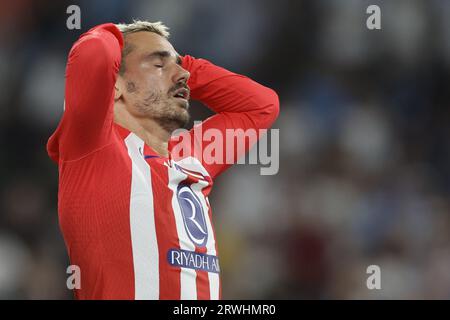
163, 110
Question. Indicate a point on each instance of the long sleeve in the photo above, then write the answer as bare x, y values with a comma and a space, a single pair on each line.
239, 103
91, 73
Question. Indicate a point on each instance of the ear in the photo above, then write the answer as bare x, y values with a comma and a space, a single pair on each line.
118, 88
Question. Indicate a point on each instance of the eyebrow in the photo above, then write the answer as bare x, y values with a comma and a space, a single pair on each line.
163, 54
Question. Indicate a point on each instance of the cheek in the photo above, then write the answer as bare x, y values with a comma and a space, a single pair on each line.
153, 82
157, 77
148, 78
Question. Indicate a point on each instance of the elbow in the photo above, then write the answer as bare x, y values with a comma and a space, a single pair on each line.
271, 108
99, 48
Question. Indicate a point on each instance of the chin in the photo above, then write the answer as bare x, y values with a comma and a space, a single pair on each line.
181, 111
182, 103
177, 120
184, 118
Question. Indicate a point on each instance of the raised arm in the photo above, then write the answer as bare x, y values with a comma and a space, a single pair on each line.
91, 73
239, 103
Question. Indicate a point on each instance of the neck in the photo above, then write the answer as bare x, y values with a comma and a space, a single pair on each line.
149, 130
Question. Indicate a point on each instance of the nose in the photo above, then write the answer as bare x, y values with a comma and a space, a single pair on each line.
182, 75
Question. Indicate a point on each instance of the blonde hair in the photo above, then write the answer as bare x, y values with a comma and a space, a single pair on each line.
138, 26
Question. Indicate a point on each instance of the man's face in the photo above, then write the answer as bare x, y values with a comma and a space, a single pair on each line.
154, 83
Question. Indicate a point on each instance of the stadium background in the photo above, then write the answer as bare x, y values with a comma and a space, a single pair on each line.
364, 140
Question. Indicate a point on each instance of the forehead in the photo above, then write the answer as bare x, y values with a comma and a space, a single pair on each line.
144, 42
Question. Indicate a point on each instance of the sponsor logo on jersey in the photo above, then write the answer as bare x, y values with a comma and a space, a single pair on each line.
193, 215
193, 260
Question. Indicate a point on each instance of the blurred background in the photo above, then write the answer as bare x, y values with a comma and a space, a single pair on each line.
364, 173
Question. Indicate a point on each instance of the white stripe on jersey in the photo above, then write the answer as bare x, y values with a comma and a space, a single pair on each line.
142, 223
188, 277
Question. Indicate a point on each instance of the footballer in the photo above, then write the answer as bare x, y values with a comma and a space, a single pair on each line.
135, 217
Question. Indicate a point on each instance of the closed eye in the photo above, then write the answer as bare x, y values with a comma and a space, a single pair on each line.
159, 65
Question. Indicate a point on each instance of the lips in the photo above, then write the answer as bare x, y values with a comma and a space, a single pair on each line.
182, 93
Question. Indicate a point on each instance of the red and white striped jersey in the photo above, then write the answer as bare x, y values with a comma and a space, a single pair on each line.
139, 225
